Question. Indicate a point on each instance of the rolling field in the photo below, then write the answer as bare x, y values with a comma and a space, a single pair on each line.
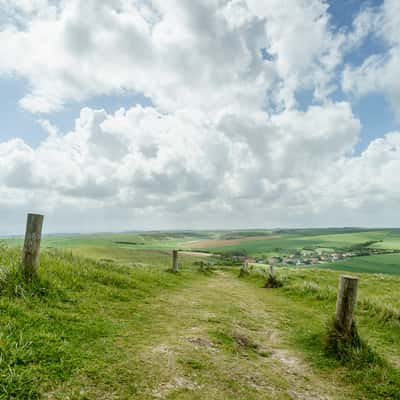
381, 264
281, 242
294, 240
89, 330
149, 240
216, 243
126, 248
146, 247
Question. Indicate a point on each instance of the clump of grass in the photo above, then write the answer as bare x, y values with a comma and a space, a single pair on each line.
206, 269
366, 369
384, 312
311, 289
243, 272
13, 284
348, 347
273, 282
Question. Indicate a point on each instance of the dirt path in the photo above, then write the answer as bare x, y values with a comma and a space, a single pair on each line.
217, 340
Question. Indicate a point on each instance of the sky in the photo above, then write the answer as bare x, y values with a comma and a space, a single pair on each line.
122, 115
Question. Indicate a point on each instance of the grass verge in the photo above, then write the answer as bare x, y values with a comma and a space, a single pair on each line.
306, 303
67, 322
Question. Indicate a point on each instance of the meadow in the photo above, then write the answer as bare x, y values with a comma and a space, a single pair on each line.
90, 329
106, 319
381, 264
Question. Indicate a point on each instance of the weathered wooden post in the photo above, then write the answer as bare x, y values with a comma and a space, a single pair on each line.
175, 261
271, 271
31, 250
244, 270
346, 302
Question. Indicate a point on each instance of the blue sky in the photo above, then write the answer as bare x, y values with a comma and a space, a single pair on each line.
373, 110
240, 113
21, 123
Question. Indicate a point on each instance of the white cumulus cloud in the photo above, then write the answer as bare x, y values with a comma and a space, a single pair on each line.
225, 141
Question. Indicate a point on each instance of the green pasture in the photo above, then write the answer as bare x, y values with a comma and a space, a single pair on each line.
307, 300
137, 241
377, 264
291, 240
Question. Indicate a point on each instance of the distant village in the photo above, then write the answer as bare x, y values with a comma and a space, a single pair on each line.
313, 256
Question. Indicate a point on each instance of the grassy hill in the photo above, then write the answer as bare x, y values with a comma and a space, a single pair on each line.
92, 329
297, 239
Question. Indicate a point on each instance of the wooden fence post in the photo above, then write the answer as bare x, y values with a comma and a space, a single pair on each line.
346, 302
244, 269
31, 250
271, 271
175, 261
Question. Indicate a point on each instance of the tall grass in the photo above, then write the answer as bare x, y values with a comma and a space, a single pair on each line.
50, 329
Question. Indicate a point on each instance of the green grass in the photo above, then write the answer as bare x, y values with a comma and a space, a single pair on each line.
68, 321
290, 240
382, 264
107, 321
310, 295
133, 257
257, 247
138, 241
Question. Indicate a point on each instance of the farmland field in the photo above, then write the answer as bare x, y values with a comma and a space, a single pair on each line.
298, 239
384, 264
145, 247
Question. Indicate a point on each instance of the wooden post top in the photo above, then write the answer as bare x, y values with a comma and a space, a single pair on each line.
350, 277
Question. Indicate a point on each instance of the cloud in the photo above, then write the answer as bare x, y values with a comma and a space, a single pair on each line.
378, 72
141, 159
225, 142
177, 53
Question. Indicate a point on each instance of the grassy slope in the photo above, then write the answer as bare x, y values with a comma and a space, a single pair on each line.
139, 241
69, 323
126, 248
91, 330
306, 303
